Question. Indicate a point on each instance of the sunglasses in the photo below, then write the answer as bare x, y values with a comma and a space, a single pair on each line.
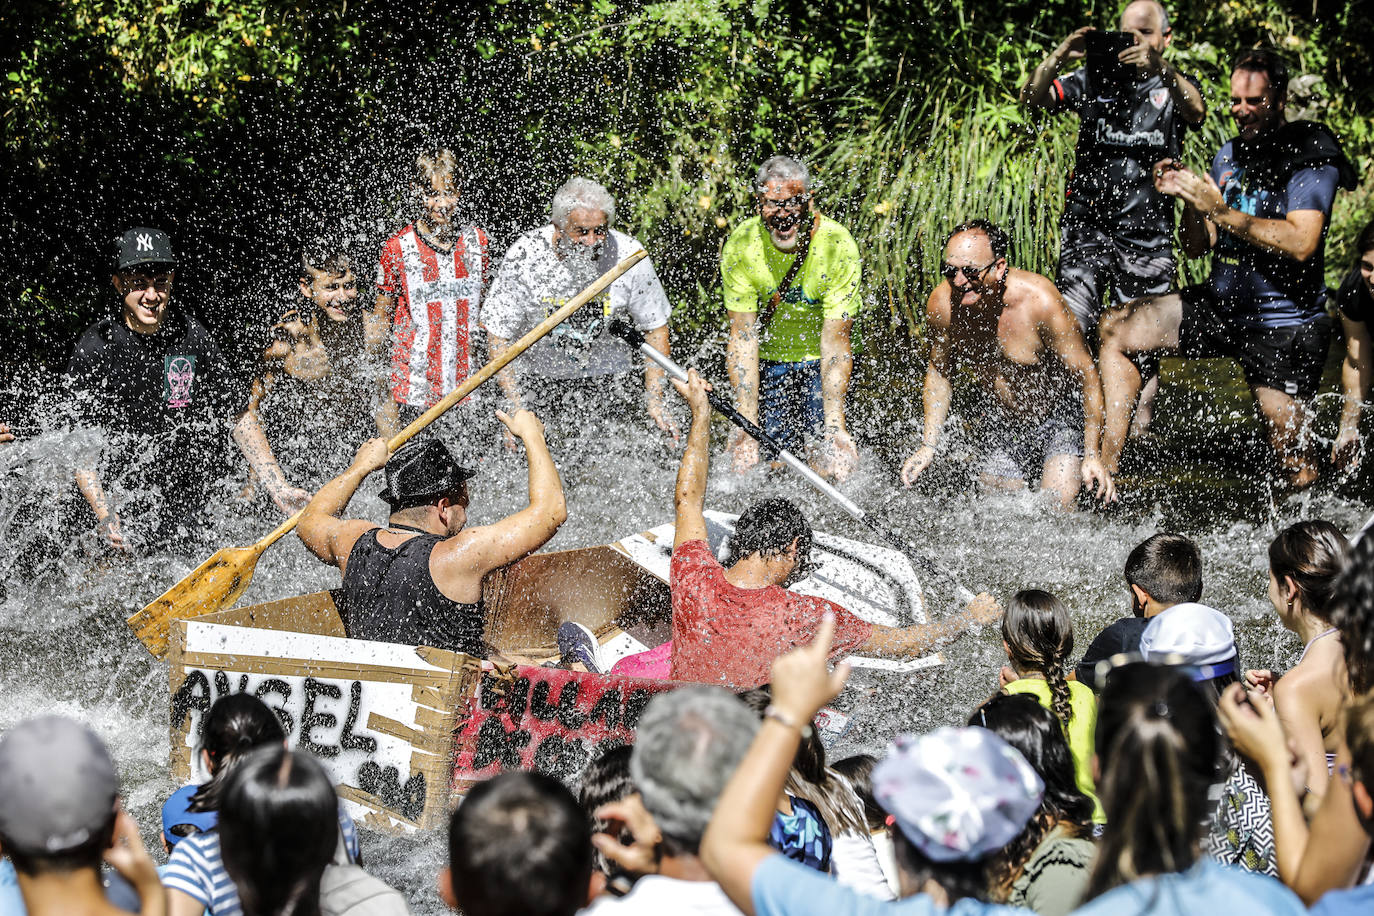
790, 203
972, 274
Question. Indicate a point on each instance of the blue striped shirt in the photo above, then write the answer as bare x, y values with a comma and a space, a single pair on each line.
197, 870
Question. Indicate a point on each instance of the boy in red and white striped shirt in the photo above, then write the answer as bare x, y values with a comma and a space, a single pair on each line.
430, 283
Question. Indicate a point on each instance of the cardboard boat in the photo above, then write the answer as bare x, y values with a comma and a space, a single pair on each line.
402, 728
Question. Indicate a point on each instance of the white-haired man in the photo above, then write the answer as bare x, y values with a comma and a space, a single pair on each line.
791, 281
545, 268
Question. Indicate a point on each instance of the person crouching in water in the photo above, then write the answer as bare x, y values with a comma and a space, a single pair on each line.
418, 579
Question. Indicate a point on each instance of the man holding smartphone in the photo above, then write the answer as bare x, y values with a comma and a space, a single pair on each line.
1117, 230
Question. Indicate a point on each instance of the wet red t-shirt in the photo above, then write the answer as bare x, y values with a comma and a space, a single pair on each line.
729, 636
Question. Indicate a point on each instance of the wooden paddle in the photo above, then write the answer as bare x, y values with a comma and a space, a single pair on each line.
218, 582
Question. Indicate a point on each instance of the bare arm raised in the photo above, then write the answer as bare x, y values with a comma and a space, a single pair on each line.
323, 533
689, 496
460, 562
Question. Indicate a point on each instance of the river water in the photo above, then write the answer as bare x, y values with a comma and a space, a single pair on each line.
64, 646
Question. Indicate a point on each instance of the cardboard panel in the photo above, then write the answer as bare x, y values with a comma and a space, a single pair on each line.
368, 711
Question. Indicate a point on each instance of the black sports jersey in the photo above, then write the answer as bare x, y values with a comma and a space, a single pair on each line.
164, 401
1119, 141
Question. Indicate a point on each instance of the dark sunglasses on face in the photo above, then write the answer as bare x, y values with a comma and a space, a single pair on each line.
971, 273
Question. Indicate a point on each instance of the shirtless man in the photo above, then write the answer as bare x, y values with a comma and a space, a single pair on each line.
418, 580
312, 386
999, 323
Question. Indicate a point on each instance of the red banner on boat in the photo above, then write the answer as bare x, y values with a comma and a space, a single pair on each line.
547, 720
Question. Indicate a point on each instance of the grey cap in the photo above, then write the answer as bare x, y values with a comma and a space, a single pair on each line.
143, 246
57, 786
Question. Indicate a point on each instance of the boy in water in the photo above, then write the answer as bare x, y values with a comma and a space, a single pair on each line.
430, 284
314, 384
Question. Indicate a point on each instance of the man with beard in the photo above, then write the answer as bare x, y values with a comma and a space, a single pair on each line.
1116, 237
315, 386
429, 293
579, 363
154, 380
1042, 400
730, 621
418, 579
1263, 209
791, 281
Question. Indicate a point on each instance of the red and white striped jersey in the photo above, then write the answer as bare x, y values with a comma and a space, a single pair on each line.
438, 297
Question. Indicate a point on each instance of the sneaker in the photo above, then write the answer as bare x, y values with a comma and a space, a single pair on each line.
577, 643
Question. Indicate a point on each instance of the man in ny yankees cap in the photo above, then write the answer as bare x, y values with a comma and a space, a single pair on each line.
155, 383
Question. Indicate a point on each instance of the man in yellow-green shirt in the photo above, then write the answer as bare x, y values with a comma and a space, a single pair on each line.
789, 355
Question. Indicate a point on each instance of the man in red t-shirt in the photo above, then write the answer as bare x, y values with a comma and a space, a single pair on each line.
730, 623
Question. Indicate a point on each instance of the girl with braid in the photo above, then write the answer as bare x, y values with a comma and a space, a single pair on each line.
1038, 636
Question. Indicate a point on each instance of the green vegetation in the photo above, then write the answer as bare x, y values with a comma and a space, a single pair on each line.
244, 123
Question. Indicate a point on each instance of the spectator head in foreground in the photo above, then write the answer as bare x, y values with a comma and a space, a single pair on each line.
1163, 570
776, 533
1304, 561
687, 745
519, 845
60, 818
958, 797
1038, 735
1157, 752
278, 827
1352, 613
1195, 635
236, 724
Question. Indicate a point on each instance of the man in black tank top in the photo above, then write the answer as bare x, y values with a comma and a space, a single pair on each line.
418, 580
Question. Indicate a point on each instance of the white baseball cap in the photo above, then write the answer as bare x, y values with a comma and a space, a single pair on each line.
1193, 634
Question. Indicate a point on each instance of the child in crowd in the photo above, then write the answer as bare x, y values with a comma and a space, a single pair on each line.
1359, 776
1037, 634
1046, 867
430, 282
820, 820
195, 878
1162, 570
519, 845
1157, 748
278, 831
858, 769
1304, 561
957, 797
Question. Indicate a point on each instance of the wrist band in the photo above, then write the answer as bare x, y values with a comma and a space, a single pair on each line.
777, 715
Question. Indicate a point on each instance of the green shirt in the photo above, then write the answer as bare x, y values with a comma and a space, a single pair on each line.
1082, 726
826, 287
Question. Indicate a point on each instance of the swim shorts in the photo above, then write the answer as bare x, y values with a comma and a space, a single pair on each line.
1288, 359
1016, 450
790, 402
1092, 262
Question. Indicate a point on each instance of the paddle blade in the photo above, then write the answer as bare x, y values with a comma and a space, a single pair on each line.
212, 586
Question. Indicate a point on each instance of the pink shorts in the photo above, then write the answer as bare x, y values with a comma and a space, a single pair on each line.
655, 664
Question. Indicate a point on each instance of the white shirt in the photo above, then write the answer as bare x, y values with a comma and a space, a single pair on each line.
655, 895
534, 282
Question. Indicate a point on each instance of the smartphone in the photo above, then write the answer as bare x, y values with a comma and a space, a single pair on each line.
1106, 73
